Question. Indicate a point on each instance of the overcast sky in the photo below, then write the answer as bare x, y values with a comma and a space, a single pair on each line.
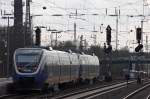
88, 22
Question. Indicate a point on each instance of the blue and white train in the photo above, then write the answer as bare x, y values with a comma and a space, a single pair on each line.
38, 68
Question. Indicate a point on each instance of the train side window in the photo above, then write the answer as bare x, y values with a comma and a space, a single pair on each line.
76, 60
56, 70
55, 60
49, 61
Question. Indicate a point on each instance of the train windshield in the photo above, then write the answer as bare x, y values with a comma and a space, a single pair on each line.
28, 62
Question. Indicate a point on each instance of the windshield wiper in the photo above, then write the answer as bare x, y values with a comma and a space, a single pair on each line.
29, 64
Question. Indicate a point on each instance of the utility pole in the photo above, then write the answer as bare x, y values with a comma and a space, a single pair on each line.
94, 39
146, 43
142, 31
138, 49
8, 47
143, 8
56, 40
18, 40
81, 43
142, 21
108, 50
116, 13
75, 29
75, 34
51, 37
27, 34
147, 51
8, 17
95, 35
8, 51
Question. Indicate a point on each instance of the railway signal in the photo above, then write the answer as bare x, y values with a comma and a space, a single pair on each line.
138, 48
44, 8
108, 50
108, 40
108, 34
38, 36
138, 34
138, 38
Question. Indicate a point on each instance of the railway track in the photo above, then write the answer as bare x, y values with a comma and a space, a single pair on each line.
11, 96
134, 93
91, 93
68, 92
6, 96
86, 92
95, 92
18, 96
148, 97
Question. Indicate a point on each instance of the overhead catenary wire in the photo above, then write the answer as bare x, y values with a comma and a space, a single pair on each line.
87, 12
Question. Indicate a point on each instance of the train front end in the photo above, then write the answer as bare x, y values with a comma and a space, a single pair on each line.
27, 67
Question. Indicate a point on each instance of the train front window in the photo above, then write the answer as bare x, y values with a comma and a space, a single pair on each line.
28, 62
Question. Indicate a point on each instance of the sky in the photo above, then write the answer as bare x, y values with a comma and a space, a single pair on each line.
91, 15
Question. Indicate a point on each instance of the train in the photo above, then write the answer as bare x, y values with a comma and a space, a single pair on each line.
40, 69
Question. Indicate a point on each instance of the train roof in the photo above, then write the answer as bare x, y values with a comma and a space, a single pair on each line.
53, 51
29, 49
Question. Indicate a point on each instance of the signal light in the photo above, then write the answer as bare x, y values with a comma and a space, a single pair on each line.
138, 34
44, 8
138, 48
38, 36
108, 34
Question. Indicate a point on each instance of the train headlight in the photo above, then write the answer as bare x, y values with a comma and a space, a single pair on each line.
19, 68
34, 68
